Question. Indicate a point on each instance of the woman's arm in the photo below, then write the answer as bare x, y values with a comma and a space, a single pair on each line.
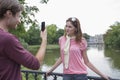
58, 62
92, 67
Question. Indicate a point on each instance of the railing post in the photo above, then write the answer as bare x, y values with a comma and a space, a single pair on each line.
35, 77
55, 77
26, 75
45, 77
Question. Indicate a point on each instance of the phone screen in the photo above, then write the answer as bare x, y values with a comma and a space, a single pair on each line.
42, 26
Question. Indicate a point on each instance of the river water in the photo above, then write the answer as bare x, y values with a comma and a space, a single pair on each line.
106, 60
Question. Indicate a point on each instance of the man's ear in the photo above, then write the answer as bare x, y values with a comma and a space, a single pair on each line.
8, 13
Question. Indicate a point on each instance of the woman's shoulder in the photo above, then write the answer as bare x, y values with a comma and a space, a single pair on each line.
83, 39
83, 44
62, 37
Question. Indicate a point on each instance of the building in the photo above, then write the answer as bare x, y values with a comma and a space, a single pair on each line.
97, 39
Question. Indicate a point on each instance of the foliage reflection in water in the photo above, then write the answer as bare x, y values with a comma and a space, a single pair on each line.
106, 60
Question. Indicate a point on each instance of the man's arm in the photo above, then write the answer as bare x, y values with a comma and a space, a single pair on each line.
41, 52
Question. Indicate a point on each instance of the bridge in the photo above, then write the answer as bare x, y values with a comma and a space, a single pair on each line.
36, 75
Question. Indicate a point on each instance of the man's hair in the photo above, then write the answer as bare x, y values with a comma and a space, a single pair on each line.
13, 5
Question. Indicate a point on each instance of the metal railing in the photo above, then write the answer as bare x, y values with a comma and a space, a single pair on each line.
38, 75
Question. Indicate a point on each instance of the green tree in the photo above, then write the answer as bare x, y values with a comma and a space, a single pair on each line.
51, 32
27, 19
33, 35
112, 36
86, 36
59, 33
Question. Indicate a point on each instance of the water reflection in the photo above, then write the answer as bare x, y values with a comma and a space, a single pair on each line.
106, 60
114, 57
99, 47
51, 56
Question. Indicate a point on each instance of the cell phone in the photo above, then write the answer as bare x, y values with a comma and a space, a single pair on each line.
42, 26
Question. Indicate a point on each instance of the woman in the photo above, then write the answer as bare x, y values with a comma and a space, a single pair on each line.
73, 53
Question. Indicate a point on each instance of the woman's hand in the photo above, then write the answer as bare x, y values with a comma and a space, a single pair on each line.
105, 77
48, 73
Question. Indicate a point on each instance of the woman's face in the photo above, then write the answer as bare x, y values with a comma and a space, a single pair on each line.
70, 29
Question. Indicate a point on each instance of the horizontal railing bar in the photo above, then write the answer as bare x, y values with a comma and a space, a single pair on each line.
61, 74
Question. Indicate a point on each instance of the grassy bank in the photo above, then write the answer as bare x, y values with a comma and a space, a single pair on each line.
50, 46
34, 48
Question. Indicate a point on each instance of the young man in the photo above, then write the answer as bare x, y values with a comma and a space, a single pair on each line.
12, 53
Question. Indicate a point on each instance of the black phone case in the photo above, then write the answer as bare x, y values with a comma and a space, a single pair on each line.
42, 26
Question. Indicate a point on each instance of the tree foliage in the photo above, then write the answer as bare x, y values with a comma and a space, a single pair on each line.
27, 19
112, 36
32, 35
53, 34
86, 36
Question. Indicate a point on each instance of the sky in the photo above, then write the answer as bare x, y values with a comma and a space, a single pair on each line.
95, 15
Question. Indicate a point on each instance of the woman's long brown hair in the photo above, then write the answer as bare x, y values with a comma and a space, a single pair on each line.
76, 23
